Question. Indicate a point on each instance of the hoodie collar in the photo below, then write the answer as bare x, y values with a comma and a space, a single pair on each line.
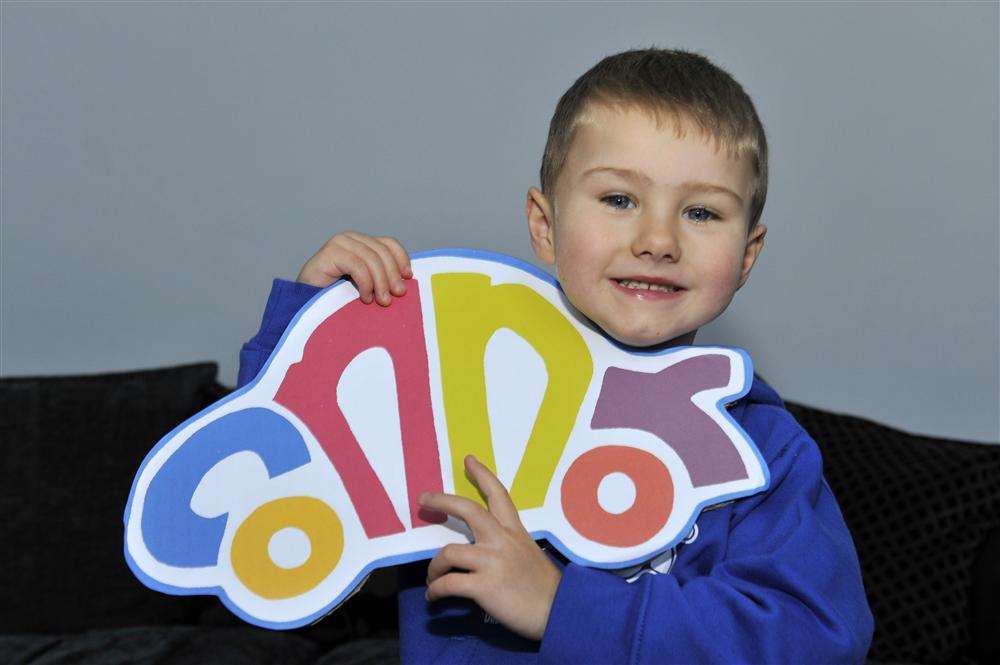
760, 393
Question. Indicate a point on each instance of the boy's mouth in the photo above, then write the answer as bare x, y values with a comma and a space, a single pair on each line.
648, 284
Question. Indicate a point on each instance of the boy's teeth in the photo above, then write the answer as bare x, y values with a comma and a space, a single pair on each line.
632, 284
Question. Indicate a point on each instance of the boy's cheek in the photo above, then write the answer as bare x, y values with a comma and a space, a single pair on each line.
579, 253
721, 281
568, 263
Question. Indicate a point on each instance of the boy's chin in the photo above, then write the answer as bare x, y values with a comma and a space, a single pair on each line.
654, 343
638, 342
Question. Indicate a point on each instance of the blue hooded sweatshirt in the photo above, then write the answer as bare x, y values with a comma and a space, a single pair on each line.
769, 578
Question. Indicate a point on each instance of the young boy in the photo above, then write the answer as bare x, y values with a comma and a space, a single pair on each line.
652, 185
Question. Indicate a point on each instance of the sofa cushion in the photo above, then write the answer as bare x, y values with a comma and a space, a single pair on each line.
986, 601
71, 446
164, 645
919, 509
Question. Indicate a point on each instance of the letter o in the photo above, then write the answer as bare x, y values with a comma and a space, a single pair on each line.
249, 553
654, 495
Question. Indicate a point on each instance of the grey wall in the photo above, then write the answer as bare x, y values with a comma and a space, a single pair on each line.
163, 162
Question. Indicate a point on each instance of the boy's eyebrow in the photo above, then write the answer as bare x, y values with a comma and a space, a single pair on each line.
690, 185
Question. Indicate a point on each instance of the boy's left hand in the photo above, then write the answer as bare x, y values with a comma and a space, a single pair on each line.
509, 576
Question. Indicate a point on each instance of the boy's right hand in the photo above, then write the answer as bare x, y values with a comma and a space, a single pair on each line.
377, 266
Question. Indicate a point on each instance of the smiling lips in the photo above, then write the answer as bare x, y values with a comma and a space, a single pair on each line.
648, 288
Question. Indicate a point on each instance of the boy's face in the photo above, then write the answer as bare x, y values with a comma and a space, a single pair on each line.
606, 226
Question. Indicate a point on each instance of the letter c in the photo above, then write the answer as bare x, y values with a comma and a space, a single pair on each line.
176, 535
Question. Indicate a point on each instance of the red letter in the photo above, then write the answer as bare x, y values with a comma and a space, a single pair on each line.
310, 392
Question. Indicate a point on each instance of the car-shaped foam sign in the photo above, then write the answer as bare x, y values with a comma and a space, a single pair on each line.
282, 497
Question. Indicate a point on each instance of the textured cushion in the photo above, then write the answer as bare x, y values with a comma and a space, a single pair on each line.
986, 601
163, 645
70, 449
919, 510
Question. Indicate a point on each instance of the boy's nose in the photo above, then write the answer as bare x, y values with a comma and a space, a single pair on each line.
657, 238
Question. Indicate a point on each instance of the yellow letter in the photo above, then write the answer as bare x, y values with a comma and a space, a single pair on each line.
252, 563
469, 310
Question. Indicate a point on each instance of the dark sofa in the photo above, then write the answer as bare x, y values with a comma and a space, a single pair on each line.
924, 513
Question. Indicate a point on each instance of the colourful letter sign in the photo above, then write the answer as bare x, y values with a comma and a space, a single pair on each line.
282, 497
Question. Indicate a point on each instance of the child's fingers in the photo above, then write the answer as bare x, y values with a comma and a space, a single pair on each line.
313, 273
402, 258
497, 497
315, 277
471, 512
396, 286
452, 584
453, 555
374, 264
354, 266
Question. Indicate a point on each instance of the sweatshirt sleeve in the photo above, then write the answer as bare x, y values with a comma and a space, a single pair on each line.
285, 300
788, 588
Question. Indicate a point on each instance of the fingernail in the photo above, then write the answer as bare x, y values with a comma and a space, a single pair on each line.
400, 287
407, 272
384, 297
427, 596
367, 298
423, 498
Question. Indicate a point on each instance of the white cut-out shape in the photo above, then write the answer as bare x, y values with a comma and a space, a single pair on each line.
693, 536
658, 565
231, 482
616, 492
366, 394
515, 378
289, 547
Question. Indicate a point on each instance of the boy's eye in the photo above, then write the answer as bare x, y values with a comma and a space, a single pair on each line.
704, 213
616, 199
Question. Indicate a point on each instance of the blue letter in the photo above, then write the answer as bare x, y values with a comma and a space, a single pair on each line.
173, 533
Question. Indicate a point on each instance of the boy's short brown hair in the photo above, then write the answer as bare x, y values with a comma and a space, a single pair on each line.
664, 82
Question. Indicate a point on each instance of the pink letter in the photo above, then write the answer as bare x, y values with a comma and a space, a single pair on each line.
310, 391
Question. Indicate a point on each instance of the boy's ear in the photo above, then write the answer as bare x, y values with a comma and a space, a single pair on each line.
540, 225
755, 243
